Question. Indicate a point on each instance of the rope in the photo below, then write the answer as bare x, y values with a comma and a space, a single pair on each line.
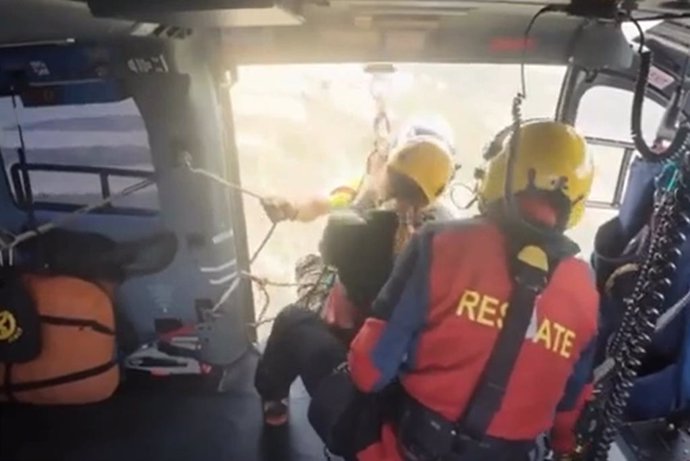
47, 227
267, 282
218, 179
261, 282
454, 199
263, 243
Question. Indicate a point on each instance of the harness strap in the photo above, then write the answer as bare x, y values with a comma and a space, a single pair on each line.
77, 322
58, 380
531, 272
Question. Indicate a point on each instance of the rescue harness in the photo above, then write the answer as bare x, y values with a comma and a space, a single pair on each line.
425, 435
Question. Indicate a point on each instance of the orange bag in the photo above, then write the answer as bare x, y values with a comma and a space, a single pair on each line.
77, 359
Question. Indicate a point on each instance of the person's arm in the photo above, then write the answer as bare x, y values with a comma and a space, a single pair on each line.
577, 393
311, 209
339, 198
383, 344
282, 209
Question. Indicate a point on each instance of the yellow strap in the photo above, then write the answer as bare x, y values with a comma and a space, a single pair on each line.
534, 256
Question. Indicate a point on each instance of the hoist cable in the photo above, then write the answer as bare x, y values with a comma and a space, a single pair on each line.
381, 124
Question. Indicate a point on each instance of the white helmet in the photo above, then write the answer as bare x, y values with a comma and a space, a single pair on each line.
423, 126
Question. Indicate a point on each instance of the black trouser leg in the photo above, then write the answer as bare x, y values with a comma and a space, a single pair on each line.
299, 345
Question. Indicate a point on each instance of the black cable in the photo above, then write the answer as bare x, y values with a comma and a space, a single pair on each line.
681, 136
636, 23
516, 112
636, 118
525, 38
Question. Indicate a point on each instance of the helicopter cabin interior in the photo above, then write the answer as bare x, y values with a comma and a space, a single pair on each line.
129, 104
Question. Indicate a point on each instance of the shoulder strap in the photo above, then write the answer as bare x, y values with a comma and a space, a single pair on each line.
531, 270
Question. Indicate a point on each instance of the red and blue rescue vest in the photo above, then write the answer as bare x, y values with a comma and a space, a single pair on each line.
436, 321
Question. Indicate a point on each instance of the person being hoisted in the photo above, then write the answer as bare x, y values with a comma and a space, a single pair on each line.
418, 165
361, 244
482, 338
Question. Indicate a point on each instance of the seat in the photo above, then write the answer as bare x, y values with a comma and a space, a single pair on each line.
89, 255
620, 245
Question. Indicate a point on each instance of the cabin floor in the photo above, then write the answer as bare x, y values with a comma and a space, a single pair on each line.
171, 422
162, 421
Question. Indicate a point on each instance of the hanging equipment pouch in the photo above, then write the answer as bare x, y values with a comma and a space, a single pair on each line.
20, 324
427, 436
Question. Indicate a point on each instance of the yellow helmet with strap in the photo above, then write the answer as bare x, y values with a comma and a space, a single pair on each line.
551, 157
424, 152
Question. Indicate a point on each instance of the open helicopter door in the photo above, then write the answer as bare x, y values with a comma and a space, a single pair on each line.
599, 102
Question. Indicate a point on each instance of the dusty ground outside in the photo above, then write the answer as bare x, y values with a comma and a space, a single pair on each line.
303, 130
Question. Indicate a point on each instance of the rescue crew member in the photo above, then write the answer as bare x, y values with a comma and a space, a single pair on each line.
418, 169
436, 322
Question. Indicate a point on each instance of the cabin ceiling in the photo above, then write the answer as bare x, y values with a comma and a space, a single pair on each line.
317, 30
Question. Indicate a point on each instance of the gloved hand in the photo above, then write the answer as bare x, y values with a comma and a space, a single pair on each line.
279, 209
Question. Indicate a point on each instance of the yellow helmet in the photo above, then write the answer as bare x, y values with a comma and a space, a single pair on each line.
424, 152
550, 157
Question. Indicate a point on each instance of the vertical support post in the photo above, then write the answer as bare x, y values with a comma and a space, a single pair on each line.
568, 99
233, 175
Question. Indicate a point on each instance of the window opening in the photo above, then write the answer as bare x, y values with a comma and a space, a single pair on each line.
612, 160
76, 155
603, 116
